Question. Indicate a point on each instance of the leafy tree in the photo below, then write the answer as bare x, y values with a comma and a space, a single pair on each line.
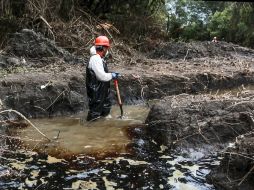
234, 24
220, 23
201, 20
187, 18
123, 7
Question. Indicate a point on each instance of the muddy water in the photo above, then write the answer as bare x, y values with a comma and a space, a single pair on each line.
49, 168
73, 135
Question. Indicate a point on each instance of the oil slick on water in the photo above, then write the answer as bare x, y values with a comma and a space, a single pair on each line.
122, 172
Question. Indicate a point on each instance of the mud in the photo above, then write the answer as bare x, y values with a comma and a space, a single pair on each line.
236, 169
207, 125
52, 92
28, 43
186, 121
61, 94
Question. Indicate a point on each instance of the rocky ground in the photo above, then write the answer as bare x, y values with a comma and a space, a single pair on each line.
40, 79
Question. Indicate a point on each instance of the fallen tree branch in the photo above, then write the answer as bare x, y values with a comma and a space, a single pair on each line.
245, 176
238, 154
49, 27
46, 22
55, 100
21, 115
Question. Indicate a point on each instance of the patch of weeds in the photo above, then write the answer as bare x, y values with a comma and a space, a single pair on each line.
12, 70
3, 72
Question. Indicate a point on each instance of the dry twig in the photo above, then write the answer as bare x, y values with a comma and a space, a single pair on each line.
238, 154
49, 27
21, 115
186, 55
55, 100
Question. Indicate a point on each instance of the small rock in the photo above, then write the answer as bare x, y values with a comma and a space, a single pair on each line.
13, 61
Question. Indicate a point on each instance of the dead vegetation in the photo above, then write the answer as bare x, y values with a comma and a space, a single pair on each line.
76, 34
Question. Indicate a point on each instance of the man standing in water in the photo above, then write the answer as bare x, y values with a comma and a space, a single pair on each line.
98, 80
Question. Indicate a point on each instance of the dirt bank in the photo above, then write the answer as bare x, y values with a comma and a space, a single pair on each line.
40, 79
205, 124
182, 50
187, 121
59, 88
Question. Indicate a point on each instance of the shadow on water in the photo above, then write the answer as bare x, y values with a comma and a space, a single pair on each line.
99, 157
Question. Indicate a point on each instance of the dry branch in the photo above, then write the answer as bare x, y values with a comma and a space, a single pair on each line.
55, 100
186, 55
245, 176
49, 27
21, 115
238, 154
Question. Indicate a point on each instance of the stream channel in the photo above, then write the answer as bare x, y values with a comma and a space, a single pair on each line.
97, 155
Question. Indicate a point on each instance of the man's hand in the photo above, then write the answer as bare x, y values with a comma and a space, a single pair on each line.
115, 75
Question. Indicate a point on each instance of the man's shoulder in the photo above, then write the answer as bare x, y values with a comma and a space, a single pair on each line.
96, 57
95, 60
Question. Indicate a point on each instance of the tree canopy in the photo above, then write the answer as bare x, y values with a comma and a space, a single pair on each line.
177, 19
202, 20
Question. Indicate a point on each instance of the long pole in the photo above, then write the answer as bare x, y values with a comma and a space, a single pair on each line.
118, 97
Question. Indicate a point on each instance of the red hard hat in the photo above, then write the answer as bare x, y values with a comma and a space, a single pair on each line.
102, 41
